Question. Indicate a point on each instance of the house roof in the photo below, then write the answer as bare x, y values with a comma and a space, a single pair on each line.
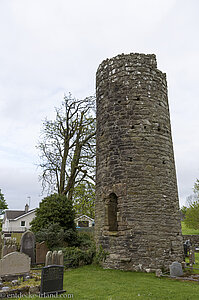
84, 216
14, 214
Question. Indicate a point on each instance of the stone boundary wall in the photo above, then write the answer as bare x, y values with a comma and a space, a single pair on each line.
193, 238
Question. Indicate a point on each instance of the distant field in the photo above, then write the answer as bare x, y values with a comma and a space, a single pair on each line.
186, 230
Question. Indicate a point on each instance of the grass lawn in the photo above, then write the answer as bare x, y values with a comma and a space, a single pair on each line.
90, 282
186, 230
94, 283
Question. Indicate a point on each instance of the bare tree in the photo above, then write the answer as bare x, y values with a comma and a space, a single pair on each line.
67, 146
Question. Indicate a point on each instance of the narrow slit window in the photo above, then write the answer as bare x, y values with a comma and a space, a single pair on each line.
112, 212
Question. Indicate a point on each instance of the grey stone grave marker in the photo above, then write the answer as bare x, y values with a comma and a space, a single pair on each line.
28, 245
14, 263
176, 269
4, 250
60, 258
191, 256
14, 248
48, 258
52, 280
9, 249
55, 258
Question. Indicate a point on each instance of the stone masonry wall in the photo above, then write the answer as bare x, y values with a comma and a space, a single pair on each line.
137, 208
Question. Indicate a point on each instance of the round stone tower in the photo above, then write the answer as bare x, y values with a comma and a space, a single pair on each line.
137, 207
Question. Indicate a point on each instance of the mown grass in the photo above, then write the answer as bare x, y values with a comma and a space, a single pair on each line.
94, 283
91, 282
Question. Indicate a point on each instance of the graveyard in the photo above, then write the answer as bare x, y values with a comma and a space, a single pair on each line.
127, 256
136, 249
52, 273
99, 143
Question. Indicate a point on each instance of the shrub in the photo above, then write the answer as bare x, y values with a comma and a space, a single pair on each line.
54, 209
100, 256
85, 240
56, 236
75, 257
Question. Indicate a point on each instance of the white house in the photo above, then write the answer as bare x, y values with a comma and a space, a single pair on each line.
17, 220
84, 221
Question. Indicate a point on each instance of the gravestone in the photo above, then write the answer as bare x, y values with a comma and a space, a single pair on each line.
9, 249
60, 258
176, 269
158, 273
191, 256
28, 245
13, 248
52, 280
55, 258
48, 258
4, 250
41, 251
14, 263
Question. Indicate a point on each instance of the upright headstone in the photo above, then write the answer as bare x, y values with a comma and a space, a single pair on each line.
158, 272
4, 250
176, 269
13, 248
48, 258
41, 251
14, 263
9, 249
28, 245
55, 258
60, 258
52, 280
191, 256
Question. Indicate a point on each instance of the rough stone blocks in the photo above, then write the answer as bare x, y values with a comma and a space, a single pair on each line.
137, 207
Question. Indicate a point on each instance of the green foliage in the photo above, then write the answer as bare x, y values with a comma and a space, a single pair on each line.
55, 235
100, 256
85, 240
3, 204
192, 216
183, 210
192, 211
84, 199
83, 253
54, 209
75, 257
188, 231
196, 188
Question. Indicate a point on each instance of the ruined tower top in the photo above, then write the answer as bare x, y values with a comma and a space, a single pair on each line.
132, 59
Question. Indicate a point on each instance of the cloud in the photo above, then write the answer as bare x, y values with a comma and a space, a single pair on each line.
50, 47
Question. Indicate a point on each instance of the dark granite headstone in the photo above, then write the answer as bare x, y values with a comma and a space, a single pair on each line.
52, 280
28, 245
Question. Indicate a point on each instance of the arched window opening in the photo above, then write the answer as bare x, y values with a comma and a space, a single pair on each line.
112, 212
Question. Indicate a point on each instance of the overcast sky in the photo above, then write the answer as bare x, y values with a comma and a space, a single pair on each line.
52, 47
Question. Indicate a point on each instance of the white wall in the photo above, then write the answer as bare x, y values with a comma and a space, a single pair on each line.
15, 225
84, 219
